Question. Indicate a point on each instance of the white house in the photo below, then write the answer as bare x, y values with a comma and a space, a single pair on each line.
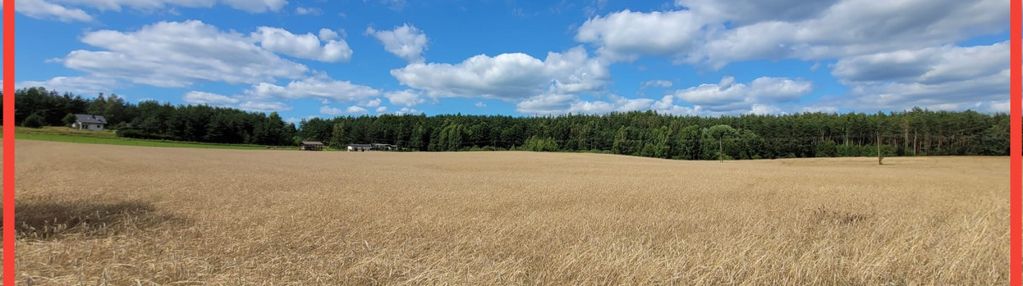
89, 122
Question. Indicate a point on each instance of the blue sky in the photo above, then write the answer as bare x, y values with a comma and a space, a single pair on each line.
335, 58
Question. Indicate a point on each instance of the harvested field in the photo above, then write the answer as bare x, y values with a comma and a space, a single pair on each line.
120, 215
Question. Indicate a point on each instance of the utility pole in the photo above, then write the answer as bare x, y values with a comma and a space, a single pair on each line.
879, 156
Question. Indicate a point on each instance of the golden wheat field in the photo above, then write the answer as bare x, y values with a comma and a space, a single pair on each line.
117, 215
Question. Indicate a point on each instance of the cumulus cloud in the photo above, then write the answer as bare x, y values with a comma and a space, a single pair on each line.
356, 110
327, 110
554, 104
405, 41
328, 34
625, 34
234, 101
372, 103
405, 98
42, 9
511, 76
729, 96
667, 105
74, 84
551, 103
946, 77
320, 86
199, 97
305, 46
176, 54
711, 33
928, 65
751, 11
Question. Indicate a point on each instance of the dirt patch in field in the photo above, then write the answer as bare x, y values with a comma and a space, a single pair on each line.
48, 220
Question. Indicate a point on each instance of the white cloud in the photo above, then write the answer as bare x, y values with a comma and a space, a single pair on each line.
74, 84
406, 110
41, 9
751, 11
234, 101
405, 41
552, 104
763, 109
667, 106
305, 46
944, 77
176, 54
405, 97
481, 104
373, 103
546, 104
382, 109
199, 97
656, 83
717, 33
856, 27
779, 89
508, 76
264, 106
729, 96
624, 34
308, 11
356, 110
997, 106
315, 87
327, 110
254, 6
328, 34
928, 65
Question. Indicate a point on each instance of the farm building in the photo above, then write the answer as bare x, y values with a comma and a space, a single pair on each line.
359, 147
372, 147
384, 147
311, 146
89, 122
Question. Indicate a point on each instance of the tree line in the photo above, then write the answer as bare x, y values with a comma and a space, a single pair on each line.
908, 133
36, 107
914, 132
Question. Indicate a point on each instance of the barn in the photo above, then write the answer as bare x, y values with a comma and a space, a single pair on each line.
311, 146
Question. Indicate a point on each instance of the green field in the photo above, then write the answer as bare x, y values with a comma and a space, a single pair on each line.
64, 134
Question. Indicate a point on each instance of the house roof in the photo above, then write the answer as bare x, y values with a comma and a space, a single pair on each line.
312, 143
360, 145
89, 118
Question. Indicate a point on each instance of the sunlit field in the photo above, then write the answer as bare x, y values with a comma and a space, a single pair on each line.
125, 215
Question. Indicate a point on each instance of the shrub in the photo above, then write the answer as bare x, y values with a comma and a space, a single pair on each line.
539, 144
34, 121
69, 119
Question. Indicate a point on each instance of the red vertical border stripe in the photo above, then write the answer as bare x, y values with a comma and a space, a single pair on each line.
8, 129
1015, 155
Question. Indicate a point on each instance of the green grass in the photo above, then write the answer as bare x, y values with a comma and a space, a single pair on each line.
64, 134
